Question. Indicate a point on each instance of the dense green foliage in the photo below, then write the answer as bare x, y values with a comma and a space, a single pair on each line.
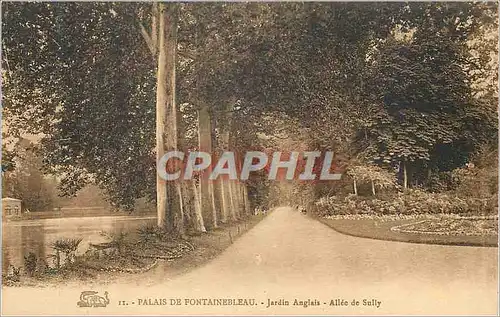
389, 84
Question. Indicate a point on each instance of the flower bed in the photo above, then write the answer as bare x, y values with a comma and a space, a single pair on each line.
411, 202
470, 227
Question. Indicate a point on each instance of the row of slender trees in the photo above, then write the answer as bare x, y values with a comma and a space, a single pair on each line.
202, 203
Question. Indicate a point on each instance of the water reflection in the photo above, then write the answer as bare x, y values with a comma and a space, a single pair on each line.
37, 236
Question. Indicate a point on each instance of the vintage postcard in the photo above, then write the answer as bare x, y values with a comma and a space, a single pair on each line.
249, 158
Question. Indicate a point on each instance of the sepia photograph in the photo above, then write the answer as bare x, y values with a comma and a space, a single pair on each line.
249, 158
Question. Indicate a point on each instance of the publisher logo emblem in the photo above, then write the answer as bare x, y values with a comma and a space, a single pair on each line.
91, 299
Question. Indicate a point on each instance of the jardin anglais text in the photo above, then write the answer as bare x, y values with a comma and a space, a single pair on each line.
304, 166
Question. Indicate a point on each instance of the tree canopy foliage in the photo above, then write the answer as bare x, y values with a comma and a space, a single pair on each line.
392, 83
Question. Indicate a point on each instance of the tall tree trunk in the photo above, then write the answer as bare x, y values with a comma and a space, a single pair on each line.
227, 198
224, 201
232, 205
211, 190
206, 186
240, 203
246, 201
161, 100
405, 176
182, 219
354, 186
429, 176
168, 200
199, 224
186, 203
216, 185
238, 199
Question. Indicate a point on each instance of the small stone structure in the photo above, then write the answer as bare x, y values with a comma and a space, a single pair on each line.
11, 207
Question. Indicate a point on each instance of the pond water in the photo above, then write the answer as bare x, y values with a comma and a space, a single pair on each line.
21, 237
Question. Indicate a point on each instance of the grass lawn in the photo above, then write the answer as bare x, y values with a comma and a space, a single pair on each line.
421, 229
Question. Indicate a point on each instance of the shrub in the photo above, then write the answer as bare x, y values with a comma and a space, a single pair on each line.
150, 233
118, 240
66, 246
479, 178
30, 261
409, 202
13, 275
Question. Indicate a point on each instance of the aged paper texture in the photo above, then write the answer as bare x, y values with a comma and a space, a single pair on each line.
282, 158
